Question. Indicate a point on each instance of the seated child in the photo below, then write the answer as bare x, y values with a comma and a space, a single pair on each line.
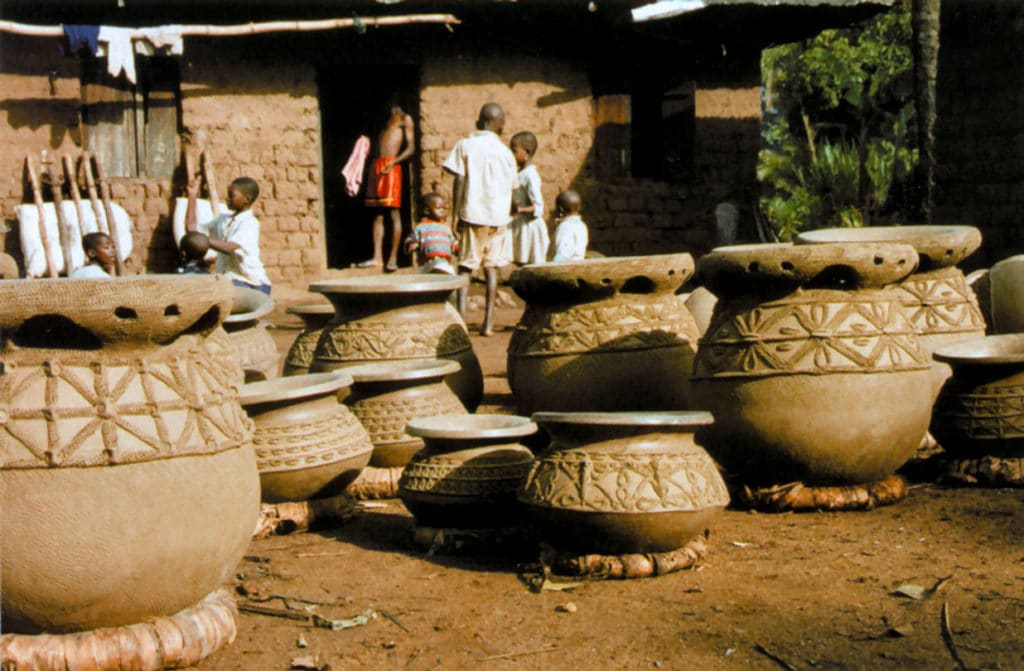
99, 254
431, 241
570, 242
236, 238
193, 248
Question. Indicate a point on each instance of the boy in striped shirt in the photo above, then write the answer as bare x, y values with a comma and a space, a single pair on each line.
431, 243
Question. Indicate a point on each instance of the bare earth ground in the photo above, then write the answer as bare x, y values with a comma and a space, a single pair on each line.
790, 591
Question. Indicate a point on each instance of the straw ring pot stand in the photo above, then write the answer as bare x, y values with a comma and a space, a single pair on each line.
622, 482
813, 371
468, 471
603, 334
120, 435
248, 337
300, 355
308, 445
398, 317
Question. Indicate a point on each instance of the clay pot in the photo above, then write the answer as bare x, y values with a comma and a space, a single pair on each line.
396, 317
623, 482
603, 334
300, 354
1006, 295
128, 484
937, 298
467, 474
812, 371
388, 395
255, 348
980, 411
308, 445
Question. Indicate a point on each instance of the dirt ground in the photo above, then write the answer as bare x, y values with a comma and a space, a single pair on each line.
790, 591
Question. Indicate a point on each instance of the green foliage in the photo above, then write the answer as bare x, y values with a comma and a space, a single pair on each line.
838, 131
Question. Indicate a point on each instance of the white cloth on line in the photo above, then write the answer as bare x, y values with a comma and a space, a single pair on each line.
119, 51
79, 224
160, 39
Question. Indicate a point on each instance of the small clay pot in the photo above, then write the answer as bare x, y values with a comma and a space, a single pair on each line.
467, 474
388, 395
308, 445
300, 354
398, 317
980, 411
623, 482
255, 348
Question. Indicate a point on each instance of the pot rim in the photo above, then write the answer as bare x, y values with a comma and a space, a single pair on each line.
258, 303
402, 369
389, 284
462, 427
675, 418
992, 350
939, 245
292, 387
310, 309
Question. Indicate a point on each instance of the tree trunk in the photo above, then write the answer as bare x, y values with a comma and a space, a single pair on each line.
925, 23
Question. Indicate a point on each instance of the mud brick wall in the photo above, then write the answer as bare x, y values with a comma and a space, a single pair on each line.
980, 125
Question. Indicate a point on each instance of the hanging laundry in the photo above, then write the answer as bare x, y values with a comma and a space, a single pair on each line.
120, 55
80, 38
353, 170
160, 39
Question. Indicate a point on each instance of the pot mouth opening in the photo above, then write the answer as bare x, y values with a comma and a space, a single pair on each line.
310, 309
293, 386
680, 418
471, 426
407, 369
1007, 348
383, 284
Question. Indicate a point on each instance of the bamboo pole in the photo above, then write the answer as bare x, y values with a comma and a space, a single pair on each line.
37, 196
64, 226
94, 198
115, 235
72, 179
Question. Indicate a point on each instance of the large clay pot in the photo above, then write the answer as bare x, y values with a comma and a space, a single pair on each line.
937, 298
308, 445
254, 347
980, 411
812, 370
467, 474
623, 482
300, 355
603, 334
388, 395
128, 484
398, 317
1006, 295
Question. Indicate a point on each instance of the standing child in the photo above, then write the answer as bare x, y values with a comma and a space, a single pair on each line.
529, 231
570, 243
99, 253
431, 243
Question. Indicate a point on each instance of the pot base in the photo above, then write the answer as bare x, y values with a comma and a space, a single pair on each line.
183, 639
632, 565
797, 497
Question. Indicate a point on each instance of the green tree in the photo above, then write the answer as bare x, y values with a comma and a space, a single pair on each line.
839, 133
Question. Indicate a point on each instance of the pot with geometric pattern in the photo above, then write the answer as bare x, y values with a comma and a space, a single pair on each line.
623, 482
248, 336
300, 355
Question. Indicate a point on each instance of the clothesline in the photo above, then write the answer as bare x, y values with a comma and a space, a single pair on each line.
252, 28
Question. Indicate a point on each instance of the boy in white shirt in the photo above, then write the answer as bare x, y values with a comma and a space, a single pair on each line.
570, 241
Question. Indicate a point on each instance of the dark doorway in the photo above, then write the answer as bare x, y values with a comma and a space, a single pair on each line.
354, 101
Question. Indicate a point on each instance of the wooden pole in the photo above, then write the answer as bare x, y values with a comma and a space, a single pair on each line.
56, 183
37, 196
72, 179
211, 183
115, 236
94, 198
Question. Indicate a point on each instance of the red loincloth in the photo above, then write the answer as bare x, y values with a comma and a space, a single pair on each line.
384, 190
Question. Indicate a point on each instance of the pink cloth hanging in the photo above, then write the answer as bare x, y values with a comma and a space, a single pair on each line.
353, 170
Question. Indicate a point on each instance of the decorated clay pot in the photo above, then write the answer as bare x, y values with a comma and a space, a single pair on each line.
623, 482
300, 355
398, 317
468, 471
980, 411
813, 371
1006, 295
603, 334
937, 298
128, 482
388, 395
254, 347
308, 445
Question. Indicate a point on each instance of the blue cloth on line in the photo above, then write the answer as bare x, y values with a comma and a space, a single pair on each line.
80, 37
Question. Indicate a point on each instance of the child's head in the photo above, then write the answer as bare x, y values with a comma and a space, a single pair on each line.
491, 118
568, 203
194, 246
434, 206
242, 193
524, 146
99, 249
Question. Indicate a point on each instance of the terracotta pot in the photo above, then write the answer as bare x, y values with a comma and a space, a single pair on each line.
1006, 295
398, 317
937, 298
255, 348
300, 354
603, 334
981, 409
812, 371
467, 474
308, 445
623, 482
128, 483
388, 395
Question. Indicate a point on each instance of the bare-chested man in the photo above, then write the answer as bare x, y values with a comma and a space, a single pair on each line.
384, 185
